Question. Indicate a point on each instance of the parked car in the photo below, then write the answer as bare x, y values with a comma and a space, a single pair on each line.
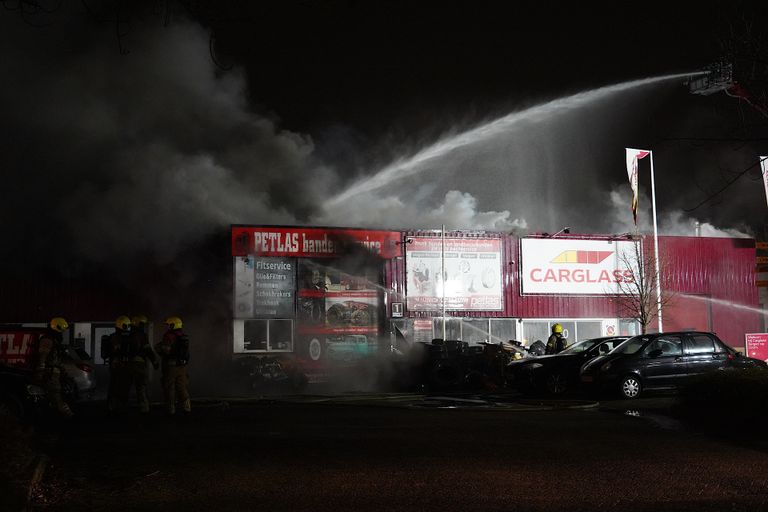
661, 361
556, 374
19, 395
79, 367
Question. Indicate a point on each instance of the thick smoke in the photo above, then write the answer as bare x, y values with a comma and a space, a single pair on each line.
458, 210
557, 166
146, 153
670, 222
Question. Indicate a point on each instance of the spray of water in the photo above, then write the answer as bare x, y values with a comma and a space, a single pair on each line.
727, 303
413, 165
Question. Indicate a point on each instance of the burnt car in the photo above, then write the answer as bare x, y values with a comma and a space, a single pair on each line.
459, 365
661, 361
559, 373
78, 365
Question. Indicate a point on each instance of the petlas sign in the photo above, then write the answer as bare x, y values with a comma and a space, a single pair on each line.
575, 267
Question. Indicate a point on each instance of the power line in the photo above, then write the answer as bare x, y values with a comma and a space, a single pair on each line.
723, 188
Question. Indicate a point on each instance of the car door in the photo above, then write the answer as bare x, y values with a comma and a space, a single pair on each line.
703, 353
663, 362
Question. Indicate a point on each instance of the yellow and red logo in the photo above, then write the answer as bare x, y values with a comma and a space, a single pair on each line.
588, 257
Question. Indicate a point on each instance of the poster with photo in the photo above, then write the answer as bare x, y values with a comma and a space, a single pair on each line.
471, 277
351, 311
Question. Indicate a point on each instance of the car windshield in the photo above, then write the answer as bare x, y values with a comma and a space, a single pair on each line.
579, 346
631, 346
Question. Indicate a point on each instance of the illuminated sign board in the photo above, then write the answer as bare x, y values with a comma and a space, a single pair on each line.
576, 267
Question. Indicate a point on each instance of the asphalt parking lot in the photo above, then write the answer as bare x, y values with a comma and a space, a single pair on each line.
399, 452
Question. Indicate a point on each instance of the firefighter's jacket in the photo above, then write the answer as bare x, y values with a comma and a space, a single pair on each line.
555, 343
47, 354
174, 348
138, 348
116, 347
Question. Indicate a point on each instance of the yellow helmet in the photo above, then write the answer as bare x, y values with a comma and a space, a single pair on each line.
173, 322
58, 324
557, 328
123, 323
139, 320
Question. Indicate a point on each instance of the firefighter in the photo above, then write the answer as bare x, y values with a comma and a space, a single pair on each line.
47, 364
139, 354
173, 350
556, 342
117, 349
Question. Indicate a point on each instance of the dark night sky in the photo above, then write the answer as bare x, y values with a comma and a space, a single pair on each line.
150, 152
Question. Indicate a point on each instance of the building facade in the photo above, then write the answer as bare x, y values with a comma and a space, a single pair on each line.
336, 294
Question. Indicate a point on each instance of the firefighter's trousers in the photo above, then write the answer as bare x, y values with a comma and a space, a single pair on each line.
175, 382
51, 382
138, 379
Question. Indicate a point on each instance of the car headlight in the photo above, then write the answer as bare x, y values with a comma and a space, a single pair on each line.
605, 367
35, 390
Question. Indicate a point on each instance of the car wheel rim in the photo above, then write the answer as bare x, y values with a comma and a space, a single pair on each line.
555, 384
630, 388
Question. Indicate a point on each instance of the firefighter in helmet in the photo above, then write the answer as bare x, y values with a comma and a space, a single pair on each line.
47, 364
139, 354
173, 350
556, 342
116, 348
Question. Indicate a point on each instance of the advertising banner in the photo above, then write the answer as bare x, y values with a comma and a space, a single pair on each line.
471, 280
346, 312
16, 346
264, 287
577, 267
311, 242
756, 346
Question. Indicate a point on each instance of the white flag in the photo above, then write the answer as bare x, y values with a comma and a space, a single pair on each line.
764, 167
633, 155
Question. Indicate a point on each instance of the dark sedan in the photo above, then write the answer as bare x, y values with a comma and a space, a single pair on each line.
556, 374
661, 361
19, 395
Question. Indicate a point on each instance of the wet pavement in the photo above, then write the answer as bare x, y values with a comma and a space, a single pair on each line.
400, 452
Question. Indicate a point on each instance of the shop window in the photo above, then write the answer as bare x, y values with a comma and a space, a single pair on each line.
281, 335
503, 329
587, 330
452, 328
475, 330
534, 331
629, 327
268, 335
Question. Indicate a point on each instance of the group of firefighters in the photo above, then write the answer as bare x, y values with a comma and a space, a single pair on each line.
128, 353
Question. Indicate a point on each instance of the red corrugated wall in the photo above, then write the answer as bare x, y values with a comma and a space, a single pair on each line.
721, 271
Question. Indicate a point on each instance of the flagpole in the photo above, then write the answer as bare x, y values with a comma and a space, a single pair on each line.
656, 247
442, 271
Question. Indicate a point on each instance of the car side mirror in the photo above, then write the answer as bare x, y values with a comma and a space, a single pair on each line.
655, 353
738, 353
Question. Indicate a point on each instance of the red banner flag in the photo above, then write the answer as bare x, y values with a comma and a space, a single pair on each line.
633, 155
764, 169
